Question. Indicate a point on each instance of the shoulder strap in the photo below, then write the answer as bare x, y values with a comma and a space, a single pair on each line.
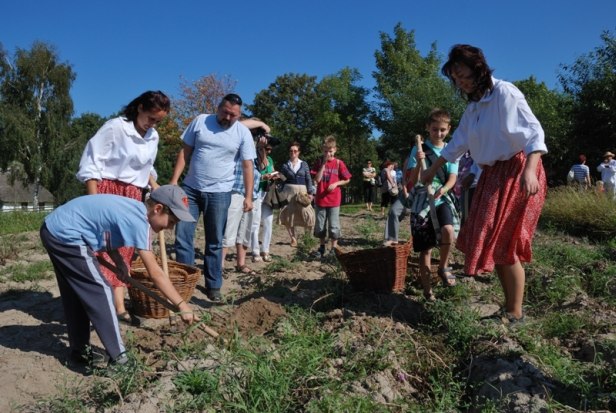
441, 174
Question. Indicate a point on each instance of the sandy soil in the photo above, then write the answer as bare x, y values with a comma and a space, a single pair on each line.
33, 339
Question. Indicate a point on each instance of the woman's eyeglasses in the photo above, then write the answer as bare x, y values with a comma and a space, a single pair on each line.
293, 150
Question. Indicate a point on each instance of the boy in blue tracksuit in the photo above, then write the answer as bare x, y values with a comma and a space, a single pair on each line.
92, 223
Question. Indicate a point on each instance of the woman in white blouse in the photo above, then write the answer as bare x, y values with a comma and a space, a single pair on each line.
506, 140
119, 160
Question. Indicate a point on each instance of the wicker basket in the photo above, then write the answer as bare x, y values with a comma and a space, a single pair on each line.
378, 269
183, 277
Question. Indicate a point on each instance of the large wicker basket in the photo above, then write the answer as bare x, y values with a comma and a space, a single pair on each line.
378, 269
183, 277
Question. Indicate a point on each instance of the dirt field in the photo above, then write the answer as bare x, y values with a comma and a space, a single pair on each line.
33, 339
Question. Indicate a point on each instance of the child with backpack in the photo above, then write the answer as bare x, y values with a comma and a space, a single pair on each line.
424, 237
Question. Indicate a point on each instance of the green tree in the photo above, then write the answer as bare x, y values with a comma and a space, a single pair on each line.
553, 110
35, 113
65, 184
346, 114
408, 86
292, 108
591, 80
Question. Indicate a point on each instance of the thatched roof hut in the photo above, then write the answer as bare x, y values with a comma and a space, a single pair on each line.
19, 197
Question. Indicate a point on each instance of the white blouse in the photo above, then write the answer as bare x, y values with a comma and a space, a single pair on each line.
118, 152
497, 127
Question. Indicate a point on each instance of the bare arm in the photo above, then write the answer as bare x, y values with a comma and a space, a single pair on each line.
180, 163
253, 124
248, 174
319, 175
529, 181
92, 187
152, 182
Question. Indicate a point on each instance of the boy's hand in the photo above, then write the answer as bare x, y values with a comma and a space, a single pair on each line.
189, 317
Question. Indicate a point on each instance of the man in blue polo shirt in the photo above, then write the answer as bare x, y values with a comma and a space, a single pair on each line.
212, 145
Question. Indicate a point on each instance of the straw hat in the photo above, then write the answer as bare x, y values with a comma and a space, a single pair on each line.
608, 153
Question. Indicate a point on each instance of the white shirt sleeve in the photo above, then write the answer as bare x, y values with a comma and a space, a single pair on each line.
96, 152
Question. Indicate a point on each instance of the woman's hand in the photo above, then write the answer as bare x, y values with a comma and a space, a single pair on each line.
529, 183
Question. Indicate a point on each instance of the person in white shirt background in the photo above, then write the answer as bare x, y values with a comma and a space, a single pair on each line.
119, 160
607, 168
506, 140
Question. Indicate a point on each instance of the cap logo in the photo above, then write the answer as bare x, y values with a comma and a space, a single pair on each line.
185, 201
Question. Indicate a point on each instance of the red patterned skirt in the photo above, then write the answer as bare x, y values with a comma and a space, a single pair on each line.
502, 219
107, 186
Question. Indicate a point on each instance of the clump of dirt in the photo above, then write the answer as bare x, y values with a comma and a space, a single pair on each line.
256, 316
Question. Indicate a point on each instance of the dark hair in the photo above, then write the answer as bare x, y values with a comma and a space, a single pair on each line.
149, 101
295, 143
438, 115
232, 98
473, 58
582, 158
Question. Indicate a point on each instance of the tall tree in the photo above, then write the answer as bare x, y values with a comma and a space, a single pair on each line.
591, 80
346, 114
201, 96
291, 107
408, 86
35, 112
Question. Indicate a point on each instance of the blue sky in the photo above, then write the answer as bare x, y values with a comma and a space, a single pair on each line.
119, 49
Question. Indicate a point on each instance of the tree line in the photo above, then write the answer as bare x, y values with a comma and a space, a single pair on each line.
41, 142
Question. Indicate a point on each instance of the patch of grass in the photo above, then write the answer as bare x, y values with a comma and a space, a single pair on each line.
460, 324
10, 246
40, 270
16, 222
562, 325
370, 232
306, 245
280, 264
579, 213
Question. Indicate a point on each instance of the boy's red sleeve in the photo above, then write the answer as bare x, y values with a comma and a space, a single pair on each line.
344, 172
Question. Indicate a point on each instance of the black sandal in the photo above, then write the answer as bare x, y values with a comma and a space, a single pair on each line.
446, 276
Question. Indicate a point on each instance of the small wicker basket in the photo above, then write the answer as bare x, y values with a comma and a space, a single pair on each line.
378, 269
183, 277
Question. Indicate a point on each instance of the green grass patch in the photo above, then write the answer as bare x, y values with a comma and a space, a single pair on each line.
577, 212
16, 222
40, 270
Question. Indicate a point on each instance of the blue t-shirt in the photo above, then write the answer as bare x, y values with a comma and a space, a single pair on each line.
101, 222
451, 167
216, 151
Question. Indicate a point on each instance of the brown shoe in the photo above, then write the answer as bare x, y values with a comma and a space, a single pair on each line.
293, 242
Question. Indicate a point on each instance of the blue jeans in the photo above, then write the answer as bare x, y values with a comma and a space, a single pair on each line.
214, 206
